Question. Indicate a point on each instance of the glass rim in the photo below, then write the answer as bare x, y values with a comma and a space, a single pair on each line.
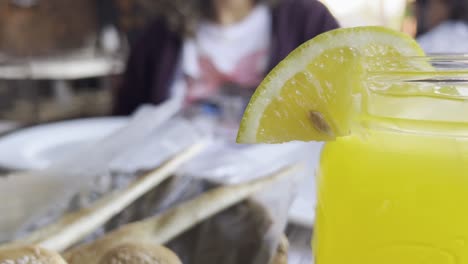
447, 56
436, 63
419, 87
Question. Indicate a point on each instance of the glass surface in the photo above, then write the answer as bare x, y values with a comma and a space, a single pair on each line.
397, 191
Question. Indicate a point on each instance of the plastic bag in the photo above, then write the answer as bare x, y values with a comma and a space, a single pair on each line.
34, 199
246, 233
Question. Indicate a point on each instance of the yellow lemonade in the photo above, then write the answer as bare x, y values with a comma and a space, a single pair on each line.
392, 198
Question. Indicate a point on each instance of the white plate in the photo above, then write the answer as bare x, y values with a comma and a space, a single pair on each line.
37, 147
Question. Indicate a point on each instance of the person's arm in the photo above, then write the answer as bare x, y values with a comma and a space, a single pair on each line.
135, 86
317, 19
295, 22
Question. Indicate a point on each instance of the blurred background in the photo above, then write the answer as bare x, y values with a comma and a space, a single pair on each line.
60, 59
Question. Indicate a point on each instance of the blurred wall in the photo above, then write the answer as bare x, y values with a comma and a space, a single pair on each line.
351, 13
44, 27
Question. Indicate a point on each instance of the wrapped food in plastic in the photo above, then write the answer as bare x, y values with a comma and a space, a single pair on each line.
34, 198
248, 232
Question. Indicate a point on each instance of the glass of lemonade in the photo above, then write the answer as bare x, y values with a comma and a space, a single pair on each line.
397, 191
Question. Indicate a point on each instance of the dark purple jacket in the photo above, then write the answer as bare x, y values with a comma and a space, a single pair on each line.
153, 60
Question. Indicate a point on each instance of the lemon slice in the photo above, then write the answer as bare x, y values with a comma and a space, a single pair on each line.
311, 94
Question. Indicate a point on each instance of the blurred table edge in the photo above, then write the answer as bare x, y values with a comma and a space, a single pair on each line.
7, 126
66, 67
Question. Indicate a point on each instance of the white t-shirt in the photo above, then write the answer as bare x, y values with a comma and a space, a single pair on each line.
217, 54
448, 37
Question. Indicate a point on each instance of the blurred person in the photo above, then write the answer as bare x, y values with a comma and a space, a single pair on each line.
195, 47
442, 25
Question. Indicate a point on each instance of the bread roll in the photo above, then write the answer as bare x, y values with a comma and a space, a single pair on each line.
140, 253
29, 255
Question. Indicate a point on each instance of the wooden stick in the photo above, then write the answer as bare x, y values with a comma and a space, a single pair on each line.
74, 226
166, 226
281, 256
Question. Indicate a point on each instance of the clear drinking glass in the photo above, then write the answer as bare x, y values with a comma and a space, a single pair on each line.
396, 191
